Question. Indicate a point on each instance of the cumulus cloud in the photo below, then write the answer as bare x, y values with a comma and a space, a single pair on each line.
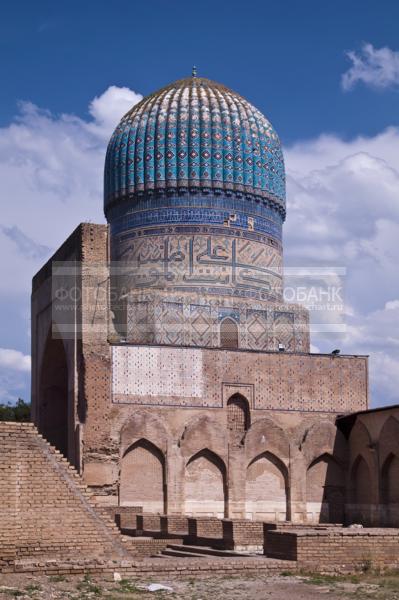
51, 174
374, 67
108, 108
15, 360
343, 211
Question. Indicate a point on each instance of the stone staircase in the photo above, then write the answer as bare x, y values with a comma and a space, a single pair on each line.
190, 551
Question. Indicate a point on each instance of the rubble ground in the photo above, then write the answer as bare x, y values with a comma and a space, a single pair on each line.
282, 587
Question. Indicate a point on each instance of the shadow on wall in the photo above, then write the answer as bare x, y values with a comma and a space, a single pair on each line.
325, 452
53, 394
325, 490
373, 483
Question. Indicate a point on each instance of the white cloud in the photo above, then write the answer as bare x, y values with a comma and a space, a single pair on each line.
51, 174
392, 305
108, 108
343, 210
375, 67
15, 360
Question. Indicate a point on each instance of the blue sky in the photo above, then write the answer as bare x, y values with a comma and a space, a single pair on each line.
325, 73
286, 57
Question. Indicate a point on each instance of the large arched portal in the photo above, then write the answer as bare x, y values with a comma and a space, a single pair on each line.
142, 478
205, 485
53, 395
266, 488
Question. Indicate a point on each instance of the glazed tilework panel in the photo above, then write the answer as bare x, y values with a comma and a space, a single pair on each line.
123, 215
195, 320
194, 133
207, 263
199, 215
197, 377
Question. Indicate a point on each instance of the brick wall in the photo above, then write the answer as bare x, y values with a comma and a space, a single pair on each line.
336, 549
281, 381
174, 524
242, 534
205, 527
45, 510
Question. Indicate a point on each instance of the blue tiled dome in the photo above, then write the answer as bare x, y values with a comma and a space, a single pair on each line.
194, 135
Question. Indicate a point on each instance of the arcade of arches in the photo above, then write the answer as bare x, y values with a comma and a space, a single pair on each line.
318, 473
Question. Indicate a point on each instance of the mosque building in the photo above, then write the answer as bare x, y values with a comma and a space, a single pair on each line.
166, 365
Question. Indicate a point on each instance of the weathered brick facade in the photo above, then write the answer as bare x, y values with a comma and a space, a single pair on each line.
143, 423
45, 508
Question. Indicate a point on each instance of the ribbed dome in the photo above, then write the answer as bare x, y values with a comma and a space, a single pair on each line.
194, 134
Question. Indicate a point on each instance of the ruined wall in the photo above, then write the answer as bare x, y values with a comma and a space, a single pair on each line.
169, 411
45, 510
70, 324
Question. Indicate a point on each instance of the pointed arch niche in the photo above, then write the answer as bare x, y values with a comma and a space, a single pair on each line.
205, 485
266, 488
228, 333
142, 477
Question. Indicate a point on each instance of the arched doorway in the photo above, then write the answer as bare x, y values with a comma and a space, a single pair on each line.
228, 333
142, 477
205, 485
325, 490
266, 488
53, 395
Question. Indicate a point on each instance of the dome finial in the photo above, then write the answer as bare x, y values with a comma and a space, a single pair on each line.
194, 71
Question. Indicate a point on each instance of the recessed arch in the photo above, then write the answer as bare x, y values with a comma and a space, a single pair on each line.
360, 482
53, 394
205, 485
143, 477
390, 480
266, 488
238, 414
228, 333
325, 490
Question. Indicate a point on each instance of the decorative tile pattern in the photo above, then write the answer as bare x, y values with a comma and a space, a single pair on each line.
150, 371
195, 134
211, 264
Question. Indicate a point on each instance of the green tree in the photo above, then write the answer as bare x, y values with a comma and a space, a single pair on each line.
15, 412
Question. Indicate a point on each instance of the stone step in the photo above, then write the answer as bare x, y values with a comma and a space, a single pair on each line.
205, 550
181, 554
143, 546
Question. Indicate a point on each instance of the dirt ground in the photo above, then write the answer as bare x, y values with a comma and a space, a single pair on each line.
288, 587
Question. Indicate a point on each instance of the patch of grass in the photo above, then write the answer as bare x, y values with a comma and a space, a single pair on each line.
366, 565
127, 586
86, 586
57, 578
33, 587
320, 578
